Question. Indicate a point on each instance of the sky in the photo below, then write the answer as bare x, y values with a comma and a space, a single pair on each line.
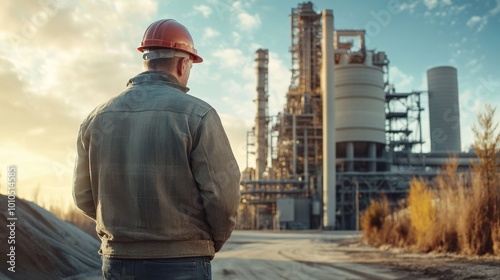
59, 59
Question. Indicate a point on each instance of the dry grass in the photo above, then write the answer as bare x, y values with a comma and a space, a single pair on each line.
450, 199
457, 212
76, 217
69, 214
421, 203
383, 225
373, 221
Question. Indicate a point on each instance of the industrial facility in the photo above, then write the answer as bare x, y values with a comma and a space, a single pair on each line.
345, 135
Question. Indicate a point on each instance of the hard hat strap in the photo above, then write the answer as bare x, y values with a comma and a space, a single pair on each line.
163, 53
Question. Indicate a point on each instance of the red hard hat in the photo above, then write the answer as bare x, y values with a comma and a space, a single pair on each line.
168, 33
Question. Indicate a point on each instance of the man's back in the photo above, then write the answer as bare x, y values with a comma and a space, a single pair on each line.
150, 179
155, 169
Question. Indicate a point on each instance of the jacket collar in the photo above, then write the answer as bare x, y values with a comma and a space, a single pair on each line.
157, 77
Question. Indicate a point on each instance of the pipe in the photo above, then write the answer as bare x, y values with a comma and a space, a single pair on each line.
294, 145
264, 191
271, 182
328, 96
350, 156
306, 160
373, 157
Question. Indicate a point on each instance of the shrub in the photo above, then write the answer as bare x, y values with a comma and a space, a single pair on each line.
373, 220
449, 190
422, 211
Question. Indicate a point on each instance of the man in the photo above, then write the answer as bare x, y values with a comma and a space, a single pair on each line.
155, 169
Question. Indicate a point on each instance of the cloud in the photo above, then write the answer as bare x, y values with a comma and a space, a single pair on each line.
457, 9
279, 81
471, 63
430, 4
237, 107
401, 80
209, 33
434, 8
240, 63
204, 10
473, 66
237, 13
59, 59
409, 6
478, 21
473, 21
88, 38
236, 38
236, 130
230, 57
38, 132
242, 95
247, 21
239, 98
495, 10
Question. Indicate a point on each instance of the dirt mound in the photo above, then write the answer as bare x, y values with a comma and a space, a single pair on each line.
45, 247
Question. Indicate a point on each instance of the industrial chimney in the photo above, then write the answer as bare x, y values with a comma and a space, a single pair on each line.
444, 113
261, 59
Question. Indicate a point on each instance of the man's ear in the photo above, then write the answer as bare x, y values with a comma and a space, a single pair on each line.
180, 67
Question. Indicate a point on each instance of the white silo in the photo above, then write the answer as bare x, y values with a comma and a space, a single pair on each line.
360, 115
360, 103
444, 113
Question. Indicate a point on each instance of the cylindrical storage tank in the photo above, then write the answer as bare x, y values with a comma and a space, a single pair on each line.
359, 104
444, 113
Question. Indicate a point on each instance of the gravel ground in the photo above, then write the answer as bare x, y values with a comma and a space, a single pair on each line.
420, 265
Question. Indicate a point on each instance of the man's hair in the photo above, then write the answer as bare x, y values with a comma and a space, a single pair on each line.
168, 64
161, 63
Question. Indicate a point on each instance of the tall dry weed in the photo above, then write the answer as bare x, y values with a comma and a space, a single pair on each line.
401, 233
483, 217
421, 202
374, 219
452, 204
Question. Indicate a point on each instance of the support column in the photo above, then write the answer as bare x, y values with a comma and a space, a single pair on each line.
328, 98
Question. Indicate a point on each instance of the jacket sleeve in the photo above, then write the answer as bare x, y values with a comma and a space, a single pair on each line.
217, 175
82, 189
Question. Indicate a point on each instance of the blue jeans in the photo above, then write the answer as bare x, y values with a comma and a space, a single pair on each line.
153, 269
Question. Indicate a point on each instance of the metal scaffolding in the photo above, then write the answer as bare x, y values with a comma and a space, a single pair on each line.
404, 124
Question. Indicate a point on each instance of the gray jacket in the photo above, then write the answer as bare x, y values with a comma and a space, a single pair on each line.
156, 172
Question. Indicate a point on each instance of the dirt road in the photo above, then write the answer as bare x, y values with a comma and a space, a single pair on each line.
269, 255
